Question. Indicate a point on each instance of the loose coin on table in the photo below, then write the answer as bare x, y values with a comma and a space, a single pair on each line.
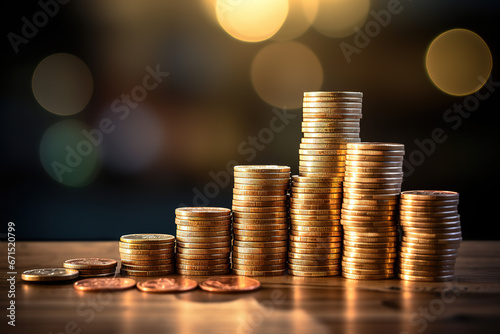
178, 284
49, 275
92, 267
99, 284
230, 284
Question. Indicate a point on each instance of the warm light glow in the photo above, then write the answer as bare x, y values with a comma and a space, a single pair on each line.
62, 84
281, 72
68, 155
459, 62
251, 21
300, 15
338, 18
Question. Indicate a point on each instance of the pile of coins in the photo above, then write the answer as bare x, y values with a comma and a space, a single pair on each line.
330, 121
372, 185
431, 235
92, 267
260, 220
147, 254
203, 240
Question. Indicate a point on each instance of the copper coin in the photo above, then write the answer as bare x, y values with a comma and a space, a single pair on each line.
89, 263
260, 239
203, 272
429, 195
128, 245
132, 272
259, 272
177, 284
254, 256
49, 274
98, 284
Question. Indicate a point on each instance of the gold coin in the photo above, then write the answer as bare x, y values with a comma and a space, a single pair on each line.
368, 224
433, 240
349, 254
258, 227
223, 233
201, 256
261, 187
339, 130
129, 257
354, 229
204, 262
196, 251
203, 267
337, 140
376, 146
363, 175
374, 164
373, 186
248, 203
352, 201
262, 256
369, 239
431, 230
371, 213
333, 94
427, 263
333, 159
335, 197
298, 240
316, 251
146, 251
366, 271
373, 250
358, 245
258, 215
261, 239
334, 167
347, 217
260, 198
90, 263
151, 267
372, 158
259, 250
204, 244
327, 246
243, 192
418, 202
313, 273
433, 235
314, 212
353, 151
129, 245
331, 105
203, 223
264, 182
147, 238
315, 234
426, 278
332, 99
203, 239
388, 179
259, 272
260, 244
316, 188
301, 262
429, 195
426, 220
300, 267
431, 273
203, 272
328, 124
147, 262
315, 256
261, 168
411, 250
260, 175
316, 229
313, 223
259, 209
202, 212
259, 267
331, 134
424, 214
367, 260
366, 276
358, 207
266, 233
434, 257
355, 170
326, 219
257, 262
49, 274
329, 114
129, 272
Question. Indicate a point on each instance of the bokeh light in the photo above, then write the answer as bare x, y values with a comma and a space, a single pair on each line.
282, 71
251, 21
301, 14
62, 84
134, 143
459, 62
68, 155
338, 18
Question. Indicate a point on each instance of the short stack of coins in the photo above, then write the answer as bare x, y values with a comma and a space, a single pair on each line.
330, 121
372, 185
315, 230
431, 235
147, 254
91, 266
203, 241
260, 220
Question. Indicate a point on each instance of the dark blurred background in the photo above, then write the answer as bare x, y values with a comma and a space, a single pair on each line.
186, 89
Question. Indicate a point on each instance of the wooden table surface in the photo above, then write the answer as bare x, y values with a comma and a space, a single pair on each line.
286, 304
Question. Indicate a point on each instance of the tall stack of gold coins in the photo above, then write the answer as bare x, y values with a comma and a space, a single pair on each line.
203, 240
260, 220
431, 235
330, 121
147, 254
372, 184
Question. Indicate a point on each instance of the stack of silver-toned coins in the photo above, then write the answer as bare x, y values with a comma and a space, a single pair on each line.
203, 240
372, 184
260, 220
147, 254
91, 266
330, 121
431, 235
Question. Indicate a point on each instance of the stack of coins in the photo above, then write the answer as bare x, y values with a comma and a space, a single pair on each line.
330, 121
315, 230
92, 267
147, 254
431, 235
203, 240
260, 220
372, 184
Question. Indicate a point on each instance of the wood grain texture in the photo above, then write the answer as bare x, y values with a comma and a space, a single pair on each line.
284, 304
